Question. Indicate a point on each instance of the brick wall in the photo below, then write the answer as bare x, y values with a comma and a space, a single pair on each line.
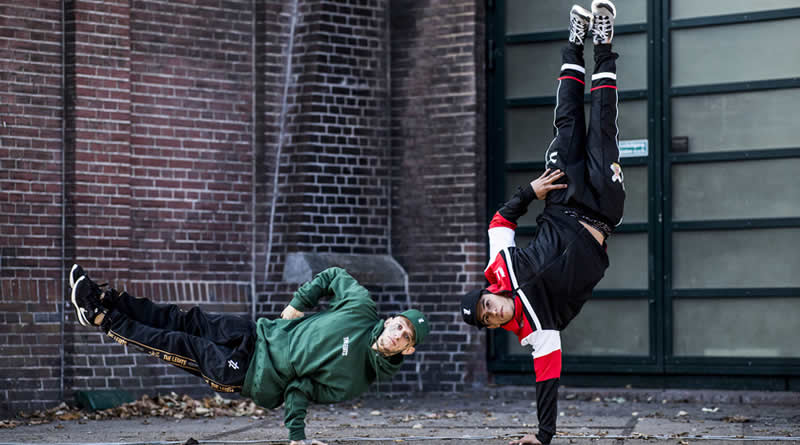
191, 140
31, 105
163, 159
205, 140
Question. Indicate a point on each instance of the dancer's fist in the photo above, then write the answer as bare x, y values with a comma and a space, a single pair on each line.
290, 313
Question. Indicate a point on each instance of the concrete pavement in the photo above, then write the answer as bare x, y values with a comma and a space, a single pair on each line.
586, 416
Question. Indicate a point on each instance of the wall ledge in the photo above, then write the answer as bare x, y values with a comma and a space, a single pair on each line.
381, 270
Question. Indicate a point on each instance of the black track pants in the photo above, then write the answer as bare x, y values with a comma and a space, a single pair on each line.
591, 163
216, 347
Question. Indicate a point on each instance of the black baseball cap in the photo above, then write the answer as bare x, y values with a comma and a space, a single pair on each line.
469, 307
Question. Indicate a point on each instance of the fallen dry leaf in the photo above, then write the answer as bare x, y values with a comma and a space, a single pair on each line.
735, 419
70, 416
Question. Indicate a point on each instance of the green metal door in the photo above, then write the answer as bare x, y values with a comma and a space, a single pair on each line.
705, 270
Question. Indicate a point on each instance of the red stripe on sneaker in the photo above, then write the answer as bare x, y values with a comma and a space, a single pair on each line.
548, 367
573, 78
500, 221
604, 86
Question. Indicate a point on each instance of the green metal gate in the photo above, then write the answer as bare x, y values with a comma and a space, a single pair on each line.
704, 283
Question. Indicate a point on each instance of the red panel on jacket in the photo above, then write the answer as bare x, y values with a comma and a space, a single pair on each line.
497, 275
500, 221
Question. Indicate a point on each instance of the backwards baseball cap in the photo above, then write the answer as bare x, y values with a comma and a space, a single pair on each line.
420, 323
469, 307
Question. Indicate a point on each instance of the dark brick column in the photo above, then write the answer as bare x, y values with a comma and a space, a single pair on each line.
336, 155
438, 175
333, 169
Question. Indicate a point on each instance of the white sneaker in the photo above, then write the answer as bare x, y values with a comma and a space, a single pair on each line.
580, 21
603, 12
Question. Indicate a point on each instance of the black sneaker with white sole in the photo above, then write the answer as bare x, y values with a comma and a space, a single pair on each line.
107, 296
86, 301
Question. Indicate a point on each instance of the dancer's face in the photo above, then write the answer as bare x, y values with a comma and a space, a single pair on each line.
495, 310
397, 337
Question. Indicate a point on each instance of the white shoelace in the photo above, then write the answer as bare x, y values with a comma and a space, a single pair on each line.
577, 30
602, 27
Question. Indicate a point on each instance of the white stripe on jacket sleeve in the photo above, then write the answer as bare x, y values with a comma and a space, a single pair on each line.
499, 239
545, 342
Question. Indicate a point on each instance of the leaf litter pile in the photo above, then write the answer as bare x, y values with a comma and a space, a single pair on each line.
170, 405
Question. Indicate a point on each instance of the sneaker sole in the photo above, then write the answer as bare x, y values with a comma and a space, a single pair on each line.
81, 319
72, 279
608, 6
581, 12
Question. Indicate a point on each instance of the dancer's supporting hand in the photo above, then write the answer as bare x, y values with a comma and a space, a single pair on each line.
543, 184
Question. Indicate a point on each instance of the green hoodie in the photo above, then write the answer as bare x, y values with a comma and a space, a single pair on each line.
325, 357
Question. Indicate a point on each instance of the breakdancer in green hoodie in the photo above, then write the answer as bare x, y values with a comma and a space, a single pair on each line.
327, 357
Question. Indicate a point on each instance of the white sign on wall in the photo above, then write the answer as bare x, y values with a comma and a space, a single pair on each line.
633, 148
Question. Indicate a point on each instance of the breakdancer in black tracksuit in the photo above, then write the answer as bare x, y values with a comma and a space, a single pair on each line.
537, 290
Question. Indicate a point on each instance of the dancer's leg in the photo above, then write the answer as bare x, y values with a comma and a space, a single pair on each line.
607, 194
223, 367
219, 328
567, 150
216, 347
